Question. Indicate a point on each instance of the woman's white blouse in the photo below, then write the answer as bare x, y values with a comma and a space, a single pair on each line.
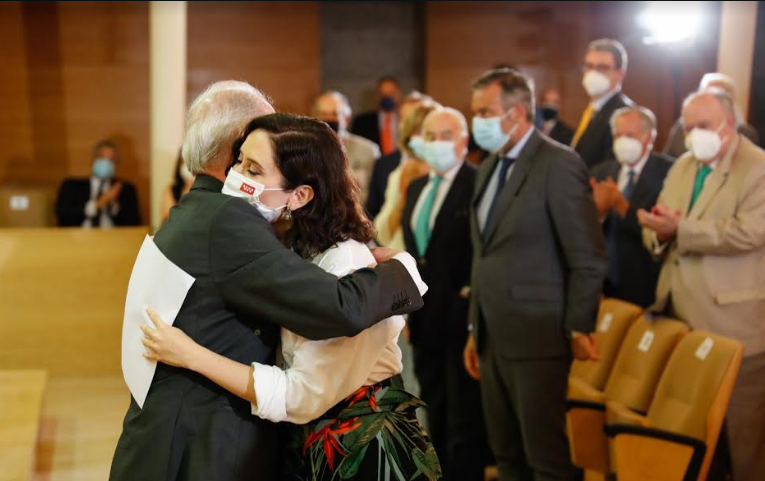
319, 374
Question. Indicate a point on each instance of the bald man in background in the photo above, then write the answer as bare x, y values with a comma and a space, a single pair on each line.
333, 108
708, 226
675, 145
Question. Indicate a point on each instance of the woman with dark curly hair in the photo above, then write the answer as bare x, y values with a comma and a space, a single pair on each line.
359, 421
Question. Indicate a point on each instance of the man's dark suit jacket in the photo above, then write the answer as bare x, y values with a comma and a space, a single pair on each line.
367, 125
75, 193
596, 144
379, 182
538, 270
633, 273
562, 133
445, 267
247, 286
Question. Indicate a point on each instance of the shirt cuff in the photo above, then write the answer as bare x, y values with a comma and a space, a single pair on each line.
411, 267
270, 384
658, 247
90, 209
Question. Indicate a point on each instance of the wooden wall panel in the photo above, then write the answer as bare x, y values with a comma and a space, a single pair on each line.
272, 45
547, 40
79, 74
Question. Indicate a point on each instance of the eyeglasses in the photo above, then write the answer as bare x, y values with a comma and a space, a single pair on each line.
600, 67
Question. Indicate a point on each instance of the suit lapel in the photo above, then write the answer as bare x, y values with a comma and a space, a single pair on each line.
417, 187
519, 173
484, 176
647, 184
712, 186
451, 202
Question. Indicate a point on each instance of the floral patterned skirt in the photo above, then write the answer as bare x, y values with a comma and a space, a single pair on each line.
371, 435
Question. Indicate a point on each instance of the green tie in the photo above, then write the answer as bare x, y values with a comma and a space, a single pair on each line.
422, 226
701, 176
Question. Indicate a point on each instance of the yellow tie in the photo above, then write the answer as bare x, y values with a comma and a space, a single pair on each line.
586, 116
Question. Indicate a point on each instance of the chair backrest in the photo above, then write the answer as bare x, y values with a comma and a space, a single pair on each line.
641, 361
693, 393
26, 207
614, 320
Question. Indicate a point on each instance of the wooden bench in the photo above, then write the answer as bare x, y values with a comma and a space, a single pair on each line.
62, 298
21, 397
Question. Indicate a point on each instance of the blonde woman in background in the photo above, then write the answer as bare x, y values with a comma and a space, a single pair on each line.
388, 221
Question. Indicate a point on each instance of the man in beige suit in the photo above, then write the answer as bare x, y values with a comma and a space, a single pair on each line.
333, 108
709, 225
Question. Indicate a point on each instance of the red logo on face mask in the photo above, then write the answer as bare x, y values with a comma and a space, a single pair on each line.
247, 189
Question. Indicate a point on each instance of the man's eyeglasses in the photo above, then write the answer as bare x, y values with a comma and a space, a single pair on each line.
600, 67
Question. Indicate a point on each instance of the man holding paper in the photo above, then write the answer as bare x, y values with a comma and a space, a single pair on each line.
247, 285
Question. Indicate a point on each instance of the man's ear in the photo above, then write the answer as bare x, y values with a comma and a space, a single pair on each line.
300, 197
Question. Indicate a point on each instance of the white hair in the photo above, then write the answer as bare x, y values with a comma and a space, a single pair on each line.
345, 105
456, 114
726, 83
647, 118
216, 118
720, 78
721, 95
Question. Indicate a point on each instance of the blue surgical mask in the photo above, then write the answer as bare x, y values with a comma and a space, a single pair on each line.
417, 145
387, 104
439, 154
103, 168
488, 133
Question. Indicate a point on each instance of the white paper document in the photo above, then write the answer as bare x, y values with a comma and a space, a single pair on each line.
157, 283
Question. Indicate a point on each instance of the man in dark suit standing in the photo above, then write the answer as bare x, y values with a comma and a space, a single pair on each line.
622, 187
552, 125
247, 286
605, 66
103, 200
539, 261
381, 126
436, 227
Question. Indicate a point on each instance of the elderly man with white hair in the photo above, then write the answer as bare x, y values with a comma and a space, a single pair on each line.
621, 187
709, 228
247, 286
436, 228
675, 145
333, 108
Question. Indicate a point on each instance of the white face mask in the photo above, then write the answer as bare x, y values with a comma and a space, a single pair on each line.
439, 154
704, 144
628, 151
488, 133
417, 144
237, 185
596, 83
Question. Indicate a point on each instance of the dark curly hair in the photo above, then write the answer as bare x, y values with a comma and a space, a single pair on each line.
308, 152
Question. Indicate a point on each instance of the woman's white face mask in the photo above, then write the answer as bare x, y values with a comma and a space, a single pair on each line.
237, 185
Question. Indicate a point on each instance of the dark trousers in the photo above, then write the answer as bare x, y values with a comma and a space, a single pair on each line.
455, 420
525, 408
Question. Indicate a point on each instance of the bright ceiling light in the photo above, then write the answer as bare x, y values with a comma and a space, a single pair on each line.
671, 22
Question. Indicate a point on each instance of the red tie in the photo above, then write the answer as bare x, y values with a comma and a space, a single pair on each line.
386, 136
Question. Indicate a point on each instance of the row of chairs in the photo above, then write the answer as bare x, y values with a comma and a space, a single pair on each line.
652, 408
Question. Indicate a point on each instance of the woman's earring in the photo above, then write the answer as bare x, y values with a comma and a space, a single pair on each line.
288, 215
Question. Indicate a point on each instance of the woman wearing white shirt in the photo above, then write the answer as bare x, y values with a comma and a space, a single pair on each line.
360, 422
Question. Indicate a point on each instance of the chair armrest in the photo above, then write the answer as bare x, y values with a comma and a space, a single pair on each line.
617, 413
641, 452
